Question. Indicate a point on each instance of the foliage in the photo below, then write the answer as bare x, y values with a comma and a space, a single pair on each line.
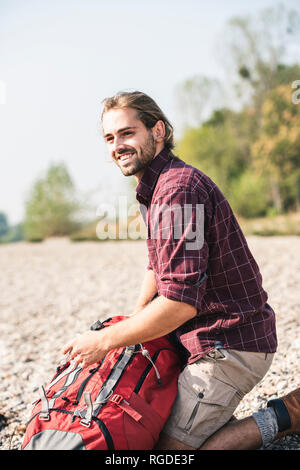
215, 150
249, 196
251, 151
221, 148
51, 207
8, 233
195, 99
4, 227
277, 151
256, 49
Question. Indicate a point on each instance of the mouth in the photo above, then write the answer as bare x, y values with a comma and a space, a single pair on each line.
125, 156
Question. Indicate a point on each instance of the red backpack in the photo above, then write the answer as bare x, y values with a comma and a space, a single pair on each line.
119, 403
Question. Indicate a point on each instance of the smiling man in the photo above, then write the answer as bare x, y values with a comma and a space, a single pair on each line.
130, 144
209, 296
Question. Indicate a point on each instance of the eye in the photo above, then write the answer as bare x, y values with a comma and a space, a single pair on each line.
109, 139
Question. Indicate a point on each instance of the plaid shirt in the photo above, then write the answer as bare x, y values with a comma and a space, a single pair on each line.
200, 256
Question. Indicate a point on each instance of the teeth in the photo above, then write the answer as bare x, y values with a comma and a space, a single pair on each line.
125, 156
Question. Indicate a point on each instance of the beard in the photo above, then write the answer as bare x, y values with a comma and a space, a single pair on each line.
139, 160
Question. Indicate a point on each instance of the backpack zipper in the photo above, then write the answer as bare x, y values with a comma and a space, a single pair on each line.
59, 370
74, 375
146, 354
84, 384
148, 369
105, 432
64, 373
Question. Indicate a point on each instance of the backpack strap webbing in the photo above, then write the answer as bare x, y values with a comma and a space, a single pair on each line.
108, 386
114, 377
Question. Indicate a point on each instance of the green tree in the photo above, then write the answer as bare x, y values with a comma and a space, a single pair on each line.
257, 49
257, 170
15, 234
277, 150
255, 52
248, 195
195, 99
51, 207
4, 227
221, 149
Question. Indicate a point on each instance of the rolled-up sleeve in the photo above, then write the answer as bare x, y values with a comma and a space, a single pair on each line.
179, 254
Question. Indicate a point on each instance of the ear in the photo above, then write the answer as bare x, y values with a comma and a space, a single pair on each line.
159, 131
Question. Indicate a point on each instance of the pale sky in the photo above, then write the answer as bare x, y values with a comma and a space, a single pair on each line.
60, 58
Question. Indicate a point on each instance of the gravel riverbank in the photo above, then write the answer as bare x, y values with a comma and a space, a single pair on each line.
52, 290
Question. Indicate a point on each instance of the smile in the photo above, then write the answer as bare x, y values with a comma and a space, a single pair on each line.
125, 156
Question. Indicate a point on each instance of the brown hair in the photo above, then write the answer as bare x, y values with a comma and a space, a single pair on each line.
147, 111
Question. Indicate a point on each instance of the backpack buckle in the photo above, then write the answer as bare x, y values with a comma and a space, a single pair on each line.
85, 422
116, 399
44, 416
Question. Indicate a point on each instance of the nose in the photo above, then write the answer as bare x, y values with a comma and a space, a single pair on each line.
117, 145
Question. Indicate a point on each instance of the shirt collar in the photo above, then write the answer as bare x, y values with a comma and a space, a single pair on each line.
145, 188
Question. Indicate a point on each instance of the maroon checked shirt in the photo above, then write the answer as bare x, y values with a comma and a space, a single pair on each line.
200, 256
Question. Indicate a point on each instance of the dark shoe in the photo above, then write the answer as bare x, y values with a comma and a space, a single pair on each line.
287, 410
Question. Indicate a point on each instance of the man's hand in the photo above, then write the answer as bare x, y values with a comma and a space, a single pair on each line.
158, 318
86, 349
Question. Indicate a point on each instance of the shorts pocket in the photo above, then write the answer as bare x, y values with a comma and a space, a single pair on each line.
203, 410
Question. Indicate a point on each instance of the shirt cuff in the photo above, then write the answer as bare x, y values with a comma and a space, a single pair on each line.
182, 293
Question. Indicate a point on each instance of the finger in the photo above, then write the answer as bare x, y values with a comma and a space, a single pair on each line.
67, 349
78, 361
74, 355
85, 361
69, 346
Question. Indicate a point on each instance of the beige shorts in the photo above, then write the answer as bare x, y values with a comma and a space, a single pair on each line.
210, 390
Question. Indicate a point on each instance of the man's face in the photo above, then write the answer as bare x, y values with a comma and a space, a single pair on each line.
131, 145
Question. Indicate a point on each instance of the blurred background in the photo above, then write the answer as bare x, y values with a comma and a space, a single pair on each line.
225, 72
227, 75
